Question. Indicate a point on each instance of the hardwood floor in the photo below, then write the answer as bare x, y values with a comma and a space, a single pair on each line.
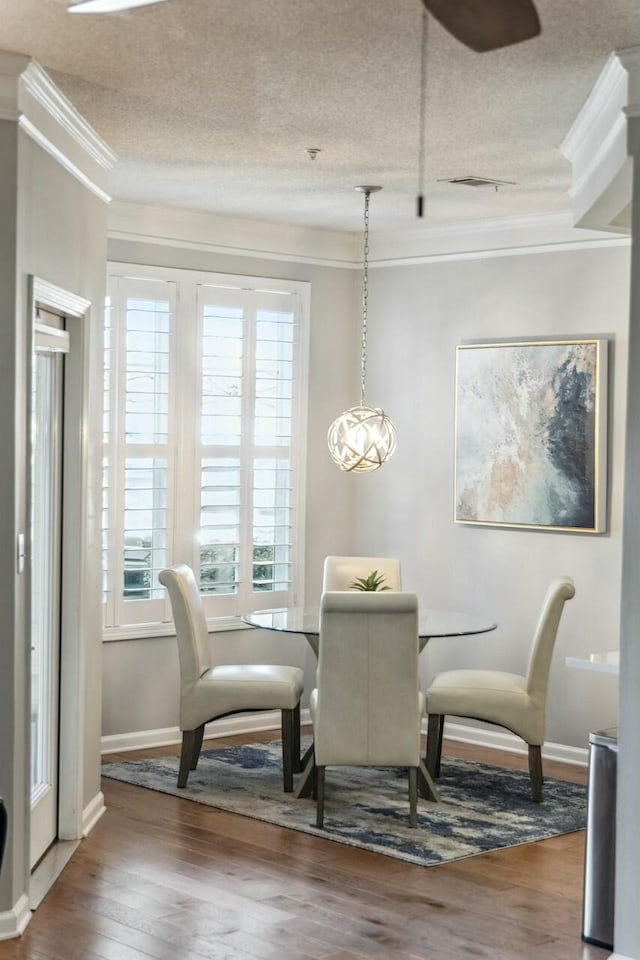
164, 878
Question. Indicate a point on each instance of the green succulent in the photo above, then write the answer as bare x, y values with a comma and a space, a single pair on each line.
370, 583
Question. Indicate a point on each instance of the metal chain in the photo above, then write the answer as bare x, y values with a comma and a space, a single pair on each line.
365, 297
422, 122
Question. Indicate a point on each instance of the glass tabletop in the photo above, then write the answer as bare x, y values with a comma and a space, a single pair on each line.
431, 623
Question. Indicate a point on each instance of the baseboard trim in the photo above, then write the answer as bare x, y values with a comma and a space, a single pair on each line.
13, 922
502, 740
169, 736
270, 720
92, 813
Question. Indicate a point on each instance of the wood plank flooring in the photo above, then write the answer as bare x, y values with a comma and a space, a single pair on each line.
168, 879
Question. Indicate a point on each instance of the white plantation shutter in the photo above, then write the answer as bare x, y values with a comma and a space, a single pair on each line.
141, 448
204, 441
272, 529
274, 427
247, 423
107, 428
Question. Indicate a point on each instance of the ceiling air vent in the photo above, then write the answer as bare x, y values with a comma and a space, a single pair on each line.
477, 182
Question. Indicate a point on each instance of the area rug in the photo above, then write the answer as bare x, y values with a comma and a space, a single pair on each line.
483, 807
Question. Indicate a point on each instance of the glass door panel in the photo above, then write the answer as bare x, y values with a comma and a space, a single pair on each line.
46, 512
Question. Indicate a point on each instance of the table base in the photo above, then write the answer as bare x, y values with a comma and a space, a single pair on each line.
306, 788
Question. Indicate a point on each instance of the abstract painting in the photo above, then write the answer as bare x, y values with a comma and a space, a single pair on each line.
531, 434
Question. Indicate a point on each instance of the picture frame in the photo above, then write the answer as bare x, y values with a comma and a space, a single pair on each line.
530, 434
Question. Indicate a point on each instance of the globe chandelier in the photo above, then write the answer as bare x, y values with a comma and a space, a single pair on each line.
362, 438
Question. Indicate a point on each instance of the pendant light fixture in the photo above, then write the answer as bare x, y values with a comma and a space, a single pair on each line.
362, 438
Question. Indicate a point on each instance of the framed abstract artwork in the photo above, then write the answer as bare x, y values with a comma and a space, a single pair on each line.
530, 447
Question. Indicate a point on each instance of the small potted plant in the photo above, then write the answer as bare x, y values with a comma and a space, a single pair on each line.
373, 582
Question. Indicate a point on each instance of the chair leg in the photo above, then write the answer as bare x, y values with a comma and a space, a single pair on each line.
413, 796
189, 739
197, 746
297, 759
535, 772
288, 760
306, 787
435, 728
320, 797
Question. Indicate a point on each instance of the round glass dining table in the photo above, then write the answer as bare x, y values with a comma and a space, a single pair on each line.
431, 623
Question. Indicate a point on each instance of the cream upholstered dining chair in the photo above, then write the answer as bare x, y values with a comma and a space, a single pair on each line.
208, 693
340, 572
506, 699
367, 707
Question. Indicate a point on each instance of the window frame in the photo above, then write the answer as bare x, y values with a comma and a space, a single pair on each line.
186, 449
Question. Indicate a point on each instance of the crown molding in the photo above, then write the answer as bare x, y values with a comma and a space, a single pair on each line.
597, 146
600, 112
607, 240
198, 230
39, 85
205, 232
630, 60
38, 137
481, 239
29, 97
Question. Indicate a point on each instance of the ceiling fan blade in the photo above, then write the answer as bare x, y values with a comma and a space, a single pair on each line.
107, 6
487, 24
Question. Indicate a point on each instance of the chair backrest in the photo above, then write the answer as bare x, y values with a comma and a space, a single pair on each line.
340, 572
544, 639
190, 621
369, 706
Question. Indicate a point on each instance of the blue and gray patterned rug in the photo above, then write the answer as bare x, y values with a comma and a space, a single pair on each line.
483, 807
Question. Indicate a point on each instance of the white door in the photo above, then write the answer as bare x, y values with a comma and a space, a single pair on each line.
51, 343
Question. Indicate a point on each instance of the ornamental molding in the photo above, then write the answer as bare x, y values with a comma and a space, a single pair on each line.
598, 149
29, 97
197, 231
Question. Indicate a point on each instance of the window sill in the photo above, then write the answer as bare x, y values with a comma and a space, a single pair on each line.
153, 631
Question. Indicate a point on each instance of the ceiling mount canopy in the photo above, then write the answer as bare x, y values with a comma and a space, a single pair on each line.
107, 6
362, 438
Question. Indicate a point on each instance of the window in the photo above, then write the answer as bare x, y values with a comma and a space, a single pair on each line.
205, 384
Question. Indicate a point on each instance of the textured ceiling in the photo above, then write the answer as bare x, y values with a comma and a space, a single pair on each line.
210, 104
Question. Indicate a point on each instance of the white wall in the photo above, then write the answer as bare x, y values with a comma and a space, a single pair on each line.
333, 386
54, 229
417, 316
12, 659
